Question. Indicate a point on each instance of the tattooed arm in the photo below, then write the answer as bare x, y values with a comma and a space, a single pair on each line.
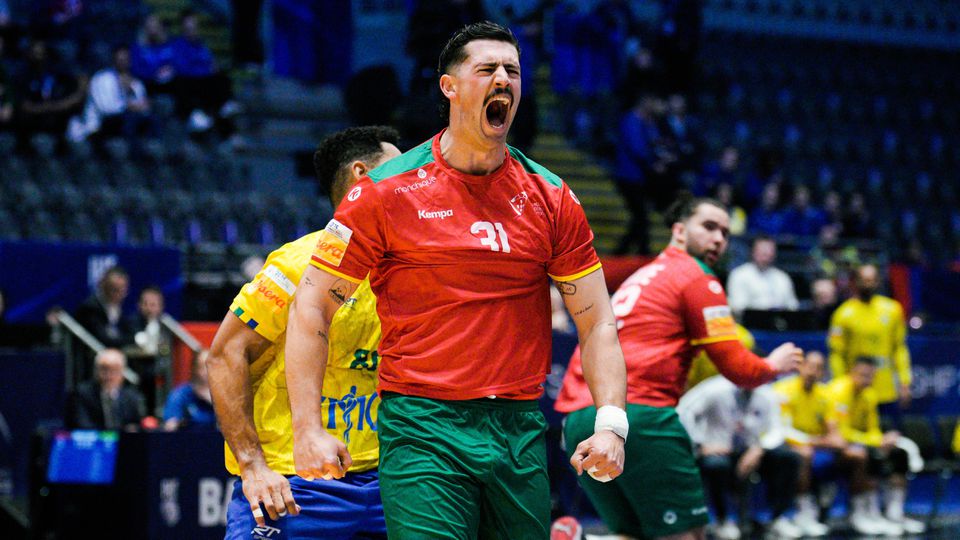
587, 301
316, 453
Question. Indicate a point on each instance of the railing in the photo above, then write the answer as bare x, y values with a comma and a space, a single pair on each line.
77, 333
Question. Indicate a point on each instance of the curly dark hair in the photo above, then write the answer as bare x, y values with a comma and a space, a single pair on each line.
454, 52
685, 205
339, 149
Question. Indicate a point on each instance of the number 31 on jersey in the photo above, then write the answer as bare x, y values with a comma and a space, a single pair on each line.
492, 233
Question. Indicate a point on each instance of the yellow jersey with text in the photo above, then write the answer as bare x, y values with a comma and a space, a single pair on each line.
807, 412
875, 328
856, 412
349, 399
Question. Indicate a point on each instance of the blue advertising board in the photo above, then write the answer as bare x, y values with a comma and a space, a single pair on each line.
36, 276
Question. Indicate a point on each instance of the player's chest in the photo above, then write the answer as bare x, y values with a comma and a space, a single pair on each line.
509, 221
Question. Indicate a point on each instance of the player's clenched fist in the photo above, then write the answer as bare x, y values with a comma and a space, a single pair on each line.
317, 454
785, 358
601, 456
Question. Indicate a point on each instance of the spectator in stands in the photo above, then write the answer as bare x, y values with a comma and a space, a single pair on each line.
738, 216
738, 432
102, 313
803, 219
812, 431
204, 94
151, 58
855, 401
641, 78
148, 333
106, 402
48, 95
642, 170
873, 325
725, 170
684, 133
118, 105
823, 293
759, 284
768, 218
857, 222
189, 405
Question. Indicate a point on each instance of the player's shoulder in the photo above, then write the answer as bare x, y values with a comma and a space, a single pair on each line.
848, 308
535, 170
414, 159
292, 254
888, 304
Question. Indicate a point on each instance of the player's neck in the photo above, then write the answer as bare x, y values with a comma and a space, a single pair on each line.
470, 156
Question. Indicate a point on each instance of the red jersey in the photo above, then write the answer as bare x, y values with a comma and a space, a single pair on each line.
460, 265
665, 311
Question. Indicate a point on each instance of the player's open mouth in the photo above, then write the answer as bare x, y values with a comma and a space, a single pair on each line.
497, 109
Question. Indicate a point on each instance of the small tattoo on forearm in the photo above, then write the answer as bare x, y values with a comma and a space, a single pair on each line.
308, 281
566, 288
584, 310
323, 335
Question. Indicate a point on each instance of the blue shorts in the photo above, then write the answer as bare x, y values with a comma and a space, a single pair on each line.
823, 463
344, 509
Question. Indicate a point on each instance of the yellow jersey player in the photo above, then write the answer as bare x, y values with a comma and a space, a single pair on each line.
857, 417
810, 421
873, 325
247, 379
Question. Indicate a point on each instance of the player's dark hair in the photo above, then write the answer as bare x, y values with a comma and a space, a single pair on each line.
685, 205
867, 360
340, 149
454, 52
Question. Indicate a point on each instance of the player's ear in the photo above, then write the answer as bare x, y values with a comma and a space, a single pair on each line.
448, 86
358, 169
678, 229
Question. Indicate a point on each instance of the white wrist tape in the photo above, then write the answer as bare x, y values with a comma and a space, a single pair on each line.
612, 418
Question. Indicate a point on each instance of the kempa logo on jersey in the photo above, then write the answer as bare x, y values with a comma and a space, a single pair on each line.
439, 214
416, 185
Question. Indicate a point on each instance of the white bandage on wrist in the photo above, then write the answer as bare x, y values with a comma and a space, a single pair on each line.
612, 418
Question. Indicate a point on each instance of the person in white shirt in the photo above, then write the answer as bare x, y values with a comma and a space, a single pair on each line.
117, 105
738, 433
758, 284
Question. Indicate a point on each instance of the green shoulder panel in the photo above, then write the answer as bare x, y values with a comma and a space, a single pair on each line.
706, 269
409, 160
533, 167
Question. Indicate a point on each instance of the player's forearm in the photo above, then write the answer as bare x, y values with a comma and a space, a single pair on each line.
233, 403
603, 365
306, 360
738, 364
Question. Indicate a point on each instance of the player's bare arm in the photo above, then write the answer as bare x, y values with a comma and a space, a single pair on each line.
587, 301
234, 348
316, 453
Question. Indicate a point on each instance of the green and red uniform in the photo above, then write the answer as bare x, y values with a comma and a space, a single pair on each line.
666, 312
461, 266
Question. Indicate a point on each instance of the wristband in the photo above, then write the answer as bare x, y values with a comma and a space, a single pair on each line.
612, 418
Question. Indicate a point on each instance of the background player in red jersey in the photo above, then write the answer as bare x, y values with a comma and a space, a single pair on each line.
666, 312
461, 236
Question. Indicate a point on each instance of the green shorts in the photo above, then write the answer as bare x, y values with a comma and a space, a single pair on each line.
463, 469
660, 492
